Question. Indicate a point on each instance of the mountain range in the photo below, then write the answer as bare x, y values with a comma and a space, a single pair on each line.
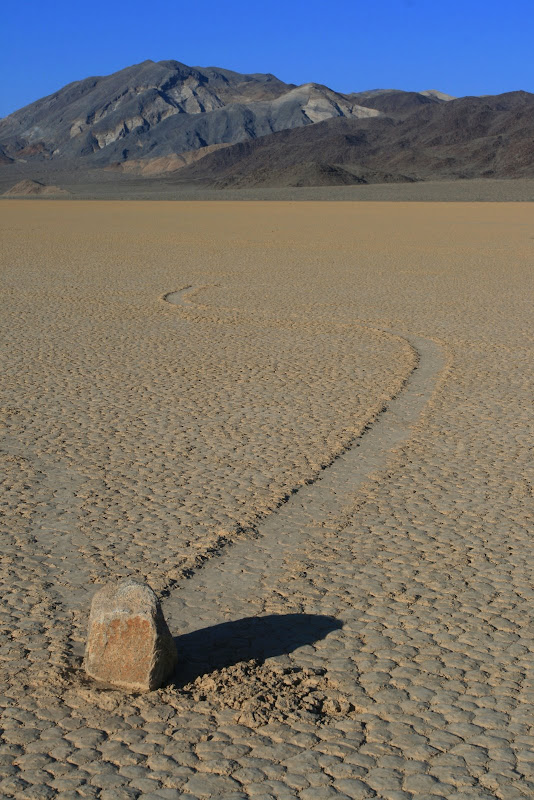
215, 127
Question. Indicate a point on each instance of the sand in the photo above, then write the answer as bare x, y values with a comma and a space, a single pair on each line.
318, 457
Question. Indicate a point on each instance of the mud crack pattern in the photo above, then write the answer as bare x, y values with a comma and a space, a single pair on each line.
148, 440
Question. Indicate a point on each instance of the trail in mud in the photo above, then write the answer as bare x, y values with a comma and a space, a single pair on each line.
244, 581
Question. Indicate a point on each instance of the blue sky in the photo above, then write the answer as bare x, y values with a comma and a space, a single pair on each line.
469, 47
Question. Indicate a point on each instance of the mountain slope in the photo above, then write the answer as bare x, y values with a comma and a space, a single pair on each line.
157, 109
394, 102
215, 127
465, 138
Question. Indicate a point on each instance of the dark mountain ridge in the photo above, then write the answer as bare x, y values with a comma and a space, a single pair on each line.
208, 126
466, 138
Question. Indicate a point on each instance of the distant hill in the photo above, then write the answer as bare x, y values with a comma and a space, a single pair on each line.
158, 109
466, 138
214, 127
394, 102
29, 188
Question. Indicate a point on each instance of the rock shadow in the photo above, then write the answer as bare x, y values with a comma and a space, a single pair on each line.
224, 645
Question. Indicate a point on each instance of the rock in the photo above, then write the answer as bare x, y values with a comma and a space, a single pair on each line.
129, 644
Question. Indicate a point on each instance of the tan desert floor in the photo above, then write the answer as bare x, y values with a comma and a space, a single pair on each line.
344, 392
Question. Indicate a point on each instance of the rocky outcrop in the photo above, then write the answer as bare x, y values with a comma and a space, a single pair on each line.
154, 110
31, 188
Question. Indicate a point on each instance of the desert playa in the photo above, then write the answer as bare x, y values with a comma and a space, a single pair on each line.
307, 427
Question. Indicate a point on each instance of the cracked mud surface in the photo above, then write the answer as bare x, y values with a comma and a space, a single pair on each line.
367, 636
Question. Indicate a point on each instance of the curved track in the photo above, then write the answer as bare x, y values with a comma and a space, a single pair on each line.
244, 580
240, 580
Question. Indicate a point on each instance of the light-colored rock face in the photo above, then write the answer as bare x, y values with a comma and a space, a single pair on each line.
129, 644
319, 103
438, 95
158, 166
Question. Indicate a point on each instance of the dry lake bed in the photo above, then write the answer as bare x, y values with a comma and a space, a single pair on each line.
307, 427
